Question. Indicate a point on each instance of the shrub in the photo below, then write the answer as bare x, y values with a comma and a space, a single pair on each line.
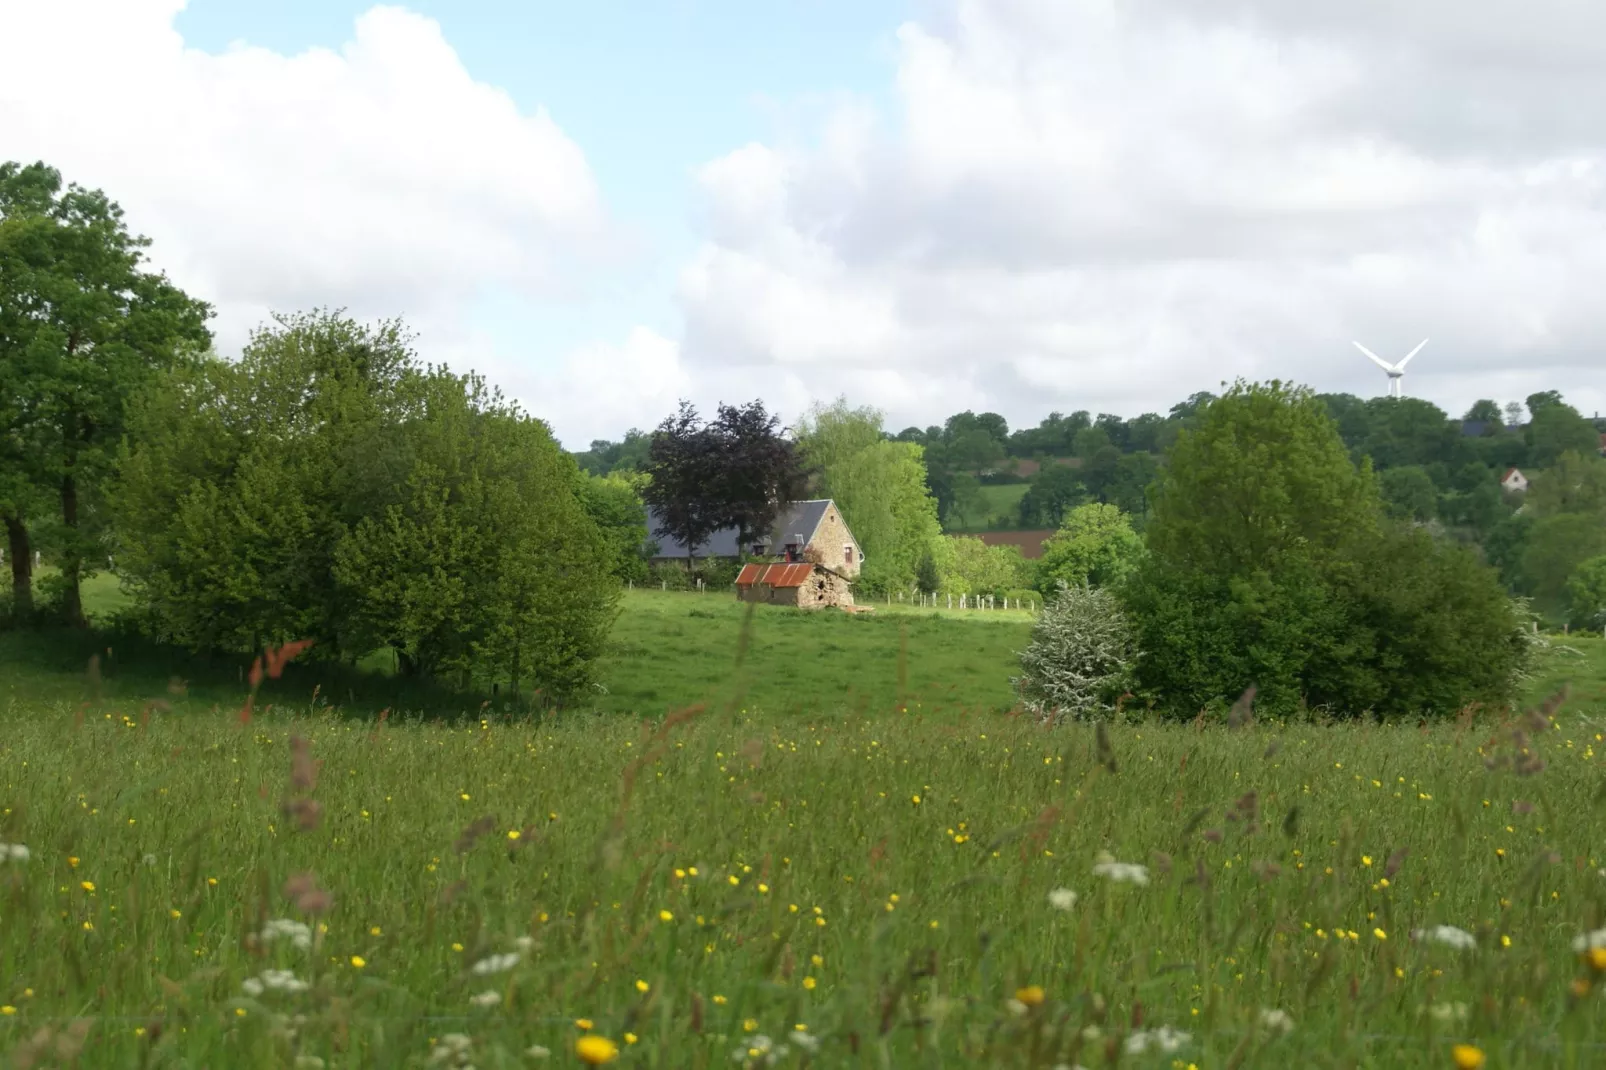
1096, 545
1271, 566
1079, 659
1586, 594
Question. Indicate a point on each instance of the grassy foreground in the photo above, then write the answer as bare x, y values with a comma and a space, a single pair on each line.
877, 891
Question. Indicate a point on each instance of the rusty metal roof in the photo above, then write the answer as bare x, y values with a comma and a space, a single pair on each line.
794, 575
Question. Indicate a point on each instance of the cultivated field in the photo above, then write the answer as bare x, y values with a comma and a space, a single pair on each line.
861, 874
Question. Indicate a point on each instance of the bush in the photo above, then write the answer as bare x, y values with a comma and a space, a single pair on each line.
1586, 594
1096, 545
1080, 657
1271, 566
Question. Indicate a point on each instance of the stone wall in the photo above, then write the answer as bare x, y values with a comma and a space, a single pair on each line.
826, 548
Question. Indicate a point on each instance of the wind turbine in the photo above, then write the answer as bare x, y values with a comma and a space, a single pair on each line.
1396, 371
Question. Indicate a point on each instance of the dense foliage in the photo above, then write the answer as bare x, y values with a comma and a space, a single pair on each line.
1271, 564
879, 485
83, 327
735, 471
1096, 545
328, 487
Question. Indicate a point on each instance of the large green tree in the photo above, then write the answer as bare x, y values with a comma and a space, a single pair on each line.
327, 486
84, 326
880, 486
1271, 565
1096, 545
1556, 429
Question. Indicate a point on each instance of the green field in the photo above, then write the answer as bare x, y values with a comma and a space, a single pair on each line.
800, 852
1001, 511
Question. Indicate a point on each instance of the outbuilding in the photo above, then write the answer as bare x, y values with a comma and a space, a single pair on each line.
804, 584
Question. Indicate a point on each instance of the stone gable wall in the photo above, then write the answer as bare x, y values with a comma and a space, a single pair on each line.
829, 539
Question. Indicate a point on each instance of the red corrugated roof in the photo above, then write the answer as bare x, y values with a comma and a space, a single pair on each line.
795, 575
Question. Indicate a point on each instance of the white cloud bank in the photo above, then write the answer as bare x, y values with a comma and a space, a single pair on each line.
1086, 204
381, 177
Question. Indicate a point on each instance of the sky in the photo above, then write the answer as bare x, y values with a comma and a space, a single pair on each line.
922, 205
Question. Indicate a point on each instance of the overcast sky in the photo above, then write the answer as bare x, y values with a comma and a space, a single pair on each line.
925, 205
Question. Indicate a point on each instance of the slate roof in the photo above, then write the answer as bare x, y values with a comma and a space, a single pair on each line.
797, 518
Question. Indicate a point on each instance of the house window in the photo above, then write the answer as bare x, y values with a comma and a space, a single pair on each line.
847, 553
791, 551
759, 548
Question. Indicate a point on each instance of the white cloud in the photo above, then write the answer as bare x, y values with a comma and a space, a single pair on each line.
1084, 204
381, 177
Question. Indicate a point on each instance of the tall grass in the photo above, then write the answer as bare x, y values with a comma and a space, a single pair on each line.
888, 883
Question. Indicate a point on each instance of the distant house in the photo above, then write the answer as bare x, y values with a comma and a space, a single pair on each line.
1477, 428
811, 531
803, 584
1029, 542
1514, 481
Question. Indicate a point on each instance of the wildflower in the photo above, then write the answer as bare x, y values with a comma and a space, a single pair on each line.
7, 1010
13, 852
1448, 1012
489, 998
1448, 935
1466, 1057
1031, 995
664, 915
1164, 1039
1380, 934
523, 943
88, 886
808, 1042
1123, 872
536, 1051
721, 1000
1062, 899
749, 1025
299, 935
583, 1023
809, 983
642, 986
453, 1050
495, 964
631, 1038
1276, 1021
1596, 958
358, 962
594, 1050
1593, 939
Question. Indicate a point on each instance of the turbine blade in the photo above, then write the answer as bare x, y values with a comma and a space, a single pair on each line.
1412, 353
1379, 361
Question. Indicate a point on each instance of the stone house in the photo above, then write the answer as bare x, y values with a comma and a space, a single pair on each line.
810, 531
1514, 481
804, 584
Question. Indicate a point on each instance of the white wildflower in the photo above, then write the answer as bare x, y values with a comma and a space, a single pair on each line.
251, 987
1448, 935
13, 852
1062, 899
1590, 940
298, 933
1163, 1039
149, 860
524, 943
489, 998
1276, 1021
1015, 1006
495, 964
807, 1041
282, 981
453, 1049
1448, 1012
1092, 1034
1122, 872
759, 1050
536, 1051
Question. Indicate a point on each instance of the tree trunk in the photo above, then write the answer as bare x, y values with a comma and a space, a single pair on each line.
20, 547
72, 605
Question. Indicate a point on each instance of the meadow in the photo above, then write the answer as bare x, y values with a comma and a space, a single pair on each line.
867, 862
1000, 509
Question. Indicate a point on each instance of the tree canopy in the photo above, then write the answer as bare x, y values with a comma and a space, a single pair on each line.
83, 328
